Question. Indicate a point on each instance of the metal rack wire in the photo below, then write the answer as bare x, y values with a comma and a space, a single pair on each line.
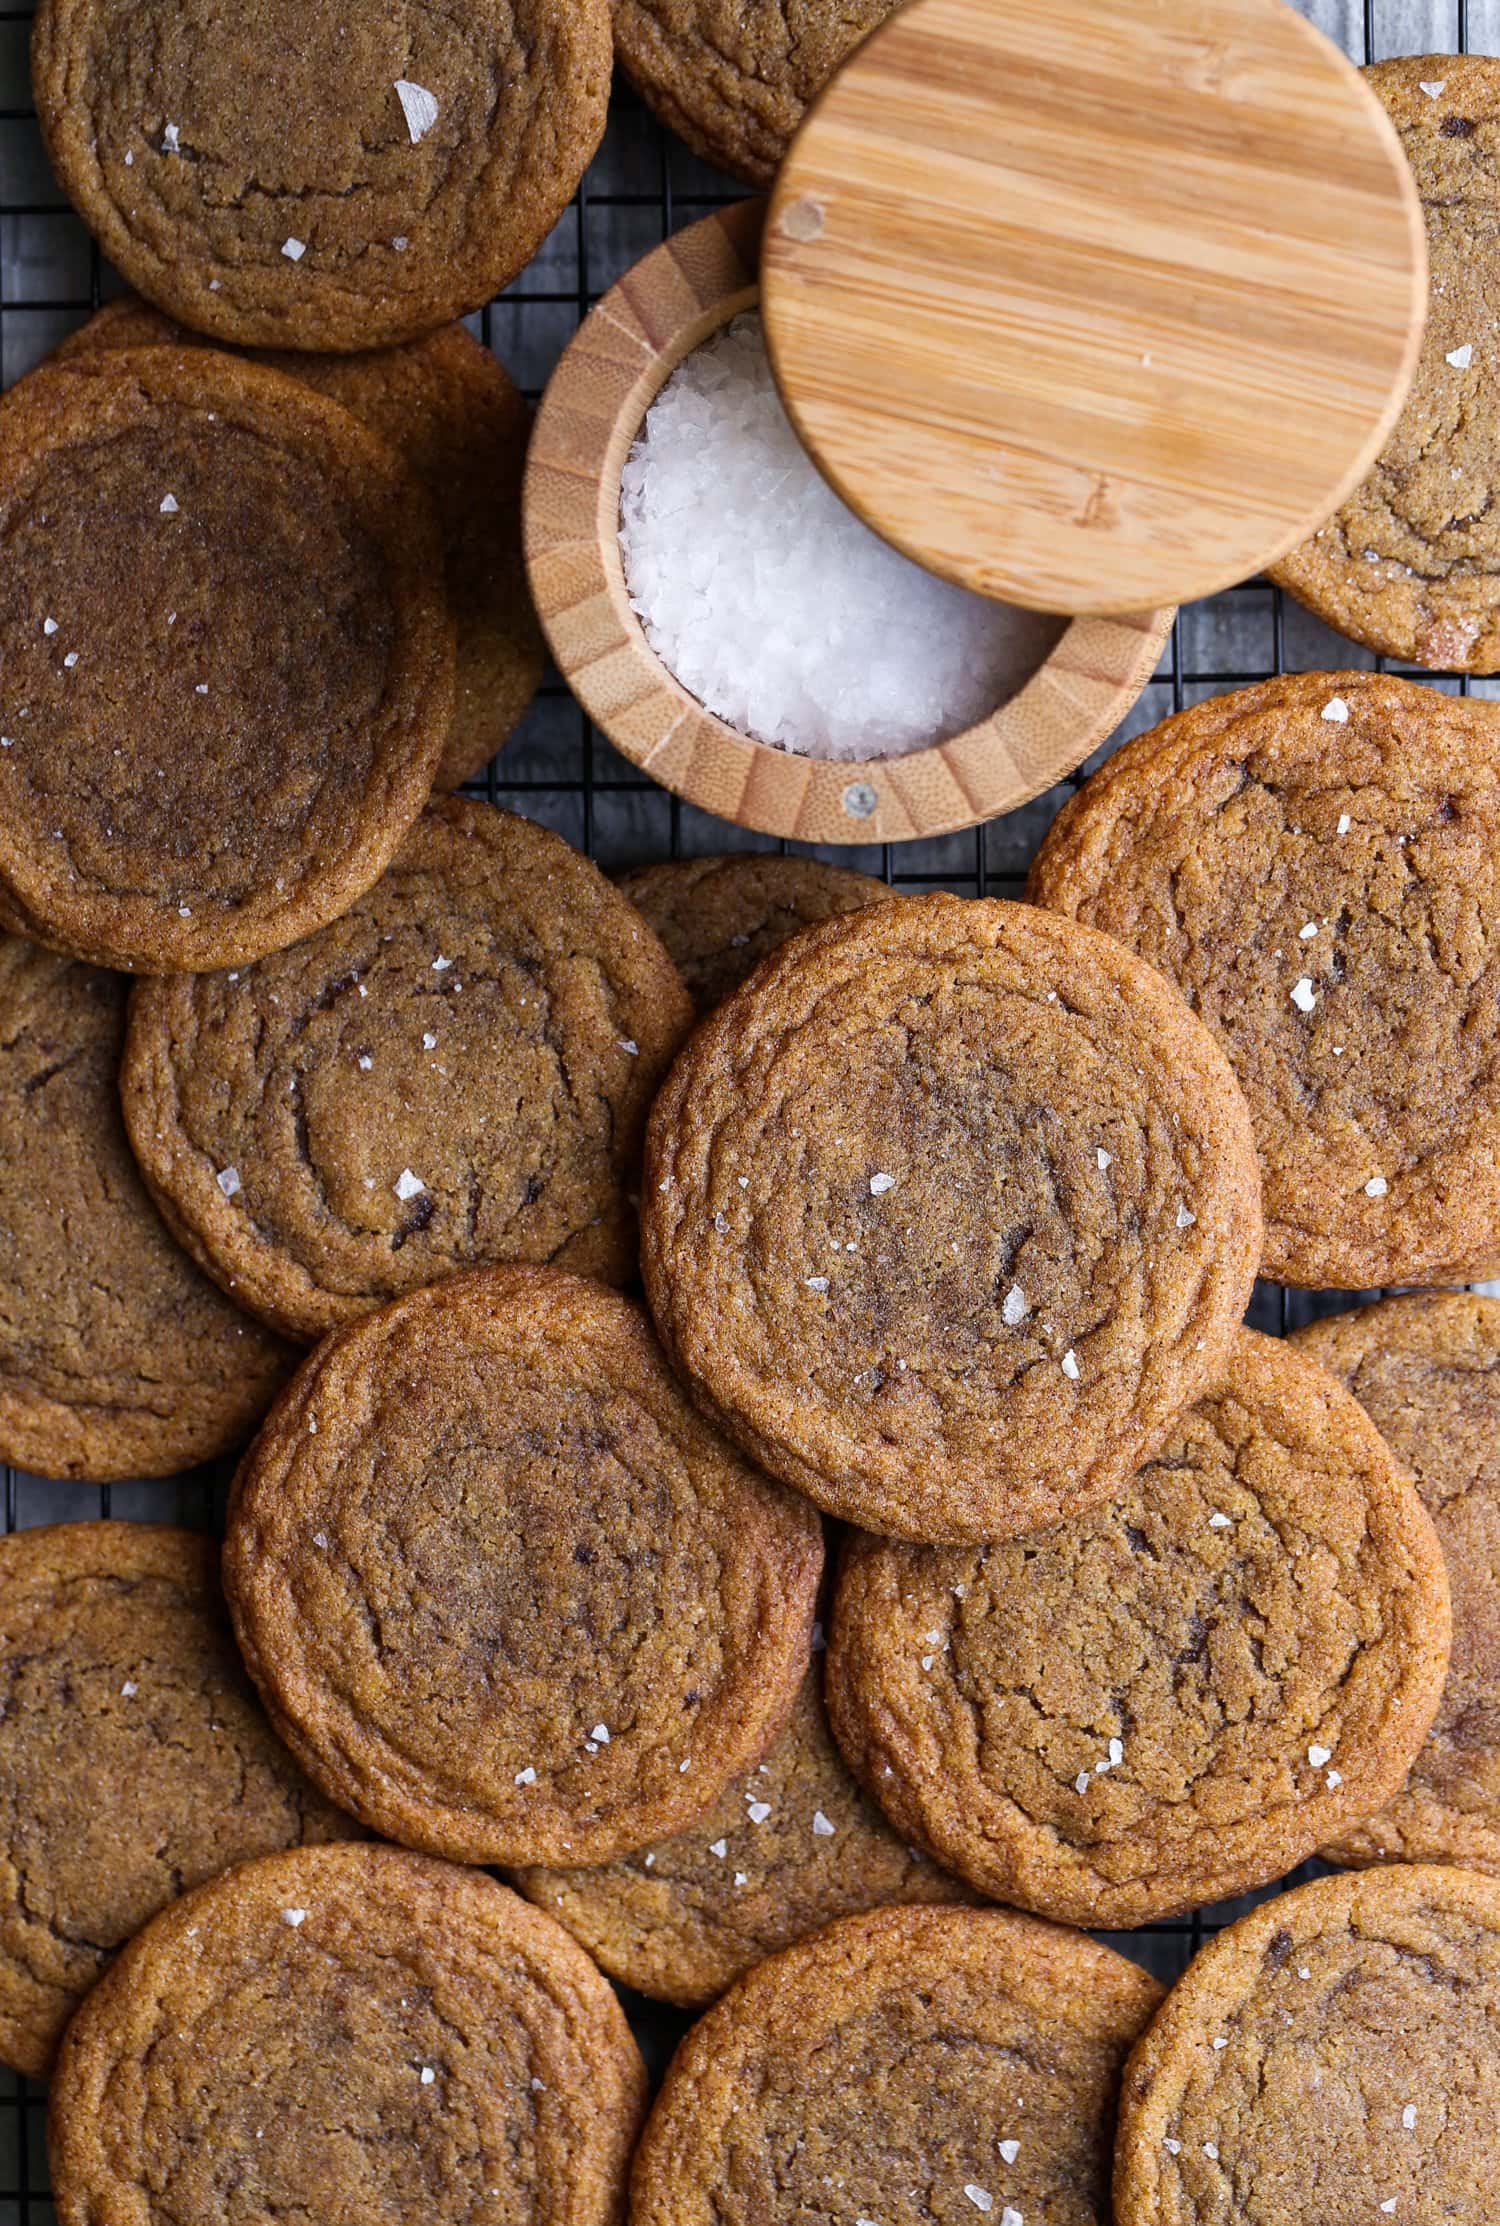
642, 186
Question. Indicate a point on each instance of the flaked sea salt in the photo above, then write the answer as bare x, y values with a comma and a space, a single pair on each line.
773, 603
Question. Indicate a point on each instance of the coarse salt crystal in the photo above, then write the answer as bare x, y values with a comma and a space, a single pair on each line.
1081, 1782
129, 1689
628, 1044
294, 250
1185, 1217
71, 659
1432, 86
1070, 1365
418, 106
719, 1848
1010, 2216
429, 1040
600, 1733
1104, 1159
1344, 825
408, 1185
169, 506
428, 2075
526, 1776
1304, 996
49, 625
980, 2197
1014, 1308
228, 1180
1376, 1187
294, 1917
1219, 1521
1317, 1756
1306, 934
1335, 711
1461, 358
171, 139
880, 1184
822, 1829
816, 1282
758, 1811
1009, 2151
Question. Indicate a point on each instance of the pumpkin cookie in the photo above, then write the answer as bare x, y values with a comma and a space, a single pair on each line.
447, 407
719, 917
338, 174
1410, 564
912, 2066
134, 1761
1334, 2056
947, 1213
734, 80
117, 1358
505, 1596
347, 2033
1427, 1372
226, 664
1315, 862
790, 1847
458, 1071
1172, 1699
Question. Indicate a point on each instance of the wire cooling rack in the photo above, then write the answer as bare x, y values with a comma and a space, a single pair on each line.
642, 186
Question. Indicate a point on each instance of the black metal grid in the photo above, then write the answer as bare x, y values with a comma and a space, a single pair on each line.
643, 186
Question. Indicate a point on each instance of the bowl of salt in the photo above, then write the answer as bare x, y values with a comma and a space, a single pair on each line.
737, 632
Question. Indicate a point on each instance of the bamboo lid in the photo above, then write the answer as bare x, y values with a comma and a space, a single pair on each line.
1095, 304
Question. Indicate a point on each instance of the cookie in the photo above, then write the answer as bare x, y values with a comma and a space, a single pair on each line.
506, 1597
1410, 563
1315, 862
457, 1071
347, 2033
134, 1760
792, 1846
226, 662
948, 1211
734, 81
339, 175
1174, 1698
719, 917
117, 1358
1427, 1372
1334, 2056
911, 2066
448, 408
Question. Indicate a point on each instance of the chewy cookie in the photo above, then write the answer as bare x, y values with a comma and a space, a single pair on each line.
1410, 564
448, 408
226, 663
1426, 1370
792, 1846
1175, 1697
117, 1358
134, 1761
455, 1072
347, 2033
947, 1213
1315, 862
719, 917
911, 2066
1333, 2057
505, 1595
340, 174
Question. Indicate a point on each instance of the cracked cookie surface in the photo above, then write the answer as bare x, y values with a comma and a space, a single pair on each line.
265, 178
135, 1761
921, 2064
506, 1596
226, 661
792, 1846
719, 917
1426, 1369
1315, 862
947, 1212
1333, 2056
455, 1072
117, 1357
1410, 564
1172, 1699
347, 2033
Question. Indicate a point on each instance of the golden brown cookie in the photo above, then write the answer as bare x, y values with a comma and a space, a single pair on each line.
1410, 563
719, 917
733, 79
226, 662
1174, 1698
910, 2067
450, 411
790, 1847
506, 1597
1332, 2058
455, 1072
1426, 1370
947, 1212
320, 173
134, 1761
117, 1358
348, 2033
1315, 862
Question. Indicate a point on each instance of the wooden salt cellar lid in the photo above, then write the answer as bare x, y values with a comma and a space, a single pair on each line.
1095, 304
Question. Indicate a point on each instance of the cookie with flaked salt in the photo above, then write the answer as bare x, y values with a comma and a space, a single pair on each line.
506, 1595
902, 2067
948, 1211
1315, 862
1334, 2056
347, 2032
1174, 1698
719, 917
